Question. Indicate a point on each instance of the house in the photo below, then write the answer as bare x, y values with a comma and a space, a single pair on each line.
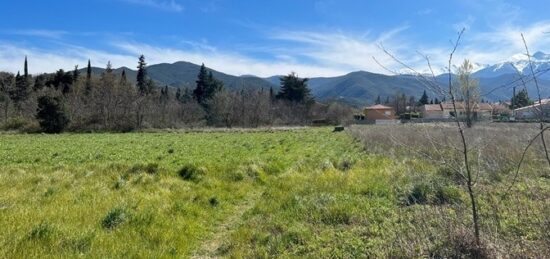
533, 111
446, 110
379, 112
431, 111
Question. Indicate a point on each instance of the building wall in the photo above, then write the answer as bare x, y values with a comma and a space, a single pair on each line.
380, 114
432, 114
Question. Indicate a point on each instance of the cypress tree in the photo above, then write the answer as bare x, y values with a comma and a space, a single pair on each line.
424, 99
26, 68
142, 83
378, 101
88, 88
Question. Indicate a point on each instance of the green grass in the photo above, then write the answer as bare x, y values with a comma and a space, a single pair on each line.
144, 194
303, 193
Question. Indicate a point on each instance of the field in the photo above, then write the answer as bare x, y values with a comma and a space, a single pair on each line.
265, 193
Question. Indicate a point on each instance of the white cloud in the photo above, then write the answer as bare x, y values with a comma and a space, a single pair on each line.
167, 5
53, 34
42, 60
343, 51
227, 62
309, 53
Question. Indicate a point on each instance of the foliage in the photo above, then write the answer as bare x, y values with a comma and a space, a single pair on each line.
50, 115
207, 86
142, 76
467, 91
521, 99
294, 89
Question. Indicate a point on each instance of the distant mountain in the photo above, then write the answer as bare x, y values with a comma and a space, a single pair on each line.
184, 74
361, 87
518, 63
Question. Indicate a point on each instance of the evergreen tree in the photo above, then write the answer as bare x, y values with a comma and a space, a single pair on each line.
20, 92
436, 101
39, 82
26, 69
207, 86
76, 73
142, 82
271, 94
424, 99
378, 101
521, 100
88, 87
294, 89
123, 79
387, 100
178, 94
50, 115
432, 101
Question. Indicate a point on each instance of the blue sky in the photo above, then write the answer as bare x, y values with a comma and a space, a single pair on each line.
267, 37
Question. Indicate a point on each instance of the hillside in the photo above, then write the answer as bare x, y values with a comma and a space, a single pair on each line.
361, 87
184, 74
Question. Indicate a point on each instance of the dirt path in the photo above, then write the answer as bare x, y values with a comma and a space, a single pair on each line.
209, 249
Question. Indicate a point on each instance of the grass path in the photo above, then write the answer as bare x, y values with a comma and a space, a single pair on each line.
210, 247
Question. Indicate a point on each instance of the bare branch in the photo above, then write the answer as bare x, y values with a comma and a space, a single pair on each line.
541, 115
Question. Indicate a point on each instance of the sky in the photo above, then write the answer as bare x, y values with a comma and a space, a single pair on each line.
314, 38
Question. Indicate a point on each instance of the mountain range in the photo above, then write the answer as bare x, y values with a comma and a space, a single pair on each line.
359, 88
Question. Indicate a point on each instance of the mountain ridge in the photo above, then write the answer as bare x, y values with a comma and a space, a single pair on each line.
363, 87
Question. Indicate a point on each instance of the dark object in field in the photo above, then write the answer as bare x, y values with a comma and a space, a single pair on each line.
191, 173
114, 218
338, 129
50, 115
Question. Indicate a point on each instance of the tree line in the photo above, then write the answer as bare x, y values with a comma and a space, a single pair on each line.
67, 100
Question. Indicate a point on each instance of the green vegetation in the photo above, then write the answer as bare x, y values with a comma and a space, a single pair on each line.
300, 193
143, 194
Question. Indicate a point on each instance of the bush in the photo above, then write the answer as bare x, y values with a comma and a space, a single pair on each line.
191, 173
114, 218
21, 124
50, 115
41, 231
150, 168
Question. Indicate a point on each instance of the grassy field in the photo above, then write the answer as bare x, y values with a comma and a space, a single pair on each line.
145, 195
259, 194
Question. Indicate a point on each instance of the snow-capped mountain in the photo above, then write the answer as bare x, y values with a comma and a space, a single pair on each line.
518, 63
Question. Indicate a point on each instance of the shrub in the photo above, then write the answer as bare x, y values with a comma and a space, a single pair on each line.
41, 231
21, 124
50, 115
114, 218
214, 202
191, 173
419, 194
150, 168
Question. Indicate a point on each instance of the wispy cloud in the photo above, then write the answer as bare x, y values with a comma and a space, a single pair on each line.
426, 11
166, 5
307, 52
53, 34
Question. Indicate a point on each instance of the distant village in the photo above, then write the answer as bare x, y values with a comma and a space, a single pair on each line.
445, 111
